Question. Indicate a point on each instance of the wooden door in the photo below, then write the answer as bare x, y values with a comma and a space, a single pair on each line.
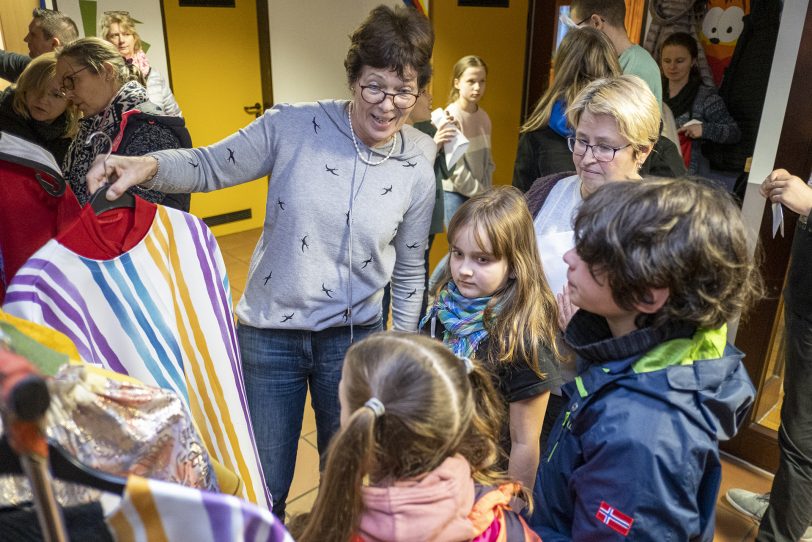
761, 336
542, 36
214, 58
15, 15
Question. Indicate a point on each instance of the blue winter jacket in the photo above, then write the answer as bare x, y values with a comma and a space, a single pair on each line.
635, 455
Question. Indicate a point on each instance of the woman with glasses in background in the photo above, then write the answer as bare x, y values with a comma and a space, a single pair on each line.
35, 109
106, 90
118, 27
585, 54
350, 199
616, 122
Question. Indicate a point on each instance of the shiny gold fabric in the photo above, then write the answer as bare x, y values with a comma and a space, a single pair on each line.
121, 428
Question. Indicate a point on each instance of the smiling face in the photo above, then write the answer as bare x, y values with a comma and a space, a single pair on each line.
91, 92
37, 42
374, 124
676, 63
475, 270
602, 129
471, 85
48, 105
122, 39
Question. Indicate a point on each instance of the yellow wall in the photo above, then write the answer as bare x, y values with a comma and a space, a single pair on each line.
214, 59
212, 100
497, 35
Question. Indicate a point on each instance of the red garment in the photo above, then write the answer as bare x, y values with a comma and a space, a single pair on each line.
685, 144
29, 217
111, 233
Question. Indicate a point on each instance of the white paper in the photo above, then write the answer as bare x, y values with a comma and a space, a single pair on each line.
778, 219
454, 149
552, 248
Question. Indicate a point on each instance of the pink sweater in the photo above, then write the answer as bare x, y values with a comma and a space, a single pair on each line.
473, 173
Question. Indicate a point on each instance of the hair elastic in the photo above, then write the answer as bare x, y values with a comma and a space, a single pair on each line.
375, 405
469, 365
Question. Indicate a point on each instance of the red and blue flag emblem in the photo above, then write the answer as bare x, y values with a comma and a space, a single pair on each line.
614, 519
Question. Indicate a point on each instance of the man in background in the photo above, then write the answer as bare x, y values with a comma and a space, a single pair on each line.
609, 17
48, 30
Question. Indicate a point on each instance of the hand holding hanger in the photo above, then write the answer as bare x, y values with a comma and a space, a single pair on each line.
99, 200
128, 171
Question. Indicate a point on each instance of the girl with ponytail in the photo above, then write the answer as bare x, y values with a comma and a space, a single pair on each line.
412, 449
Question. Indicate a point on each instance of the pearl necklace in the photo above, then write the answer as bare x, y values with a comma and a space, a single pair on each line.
358, 149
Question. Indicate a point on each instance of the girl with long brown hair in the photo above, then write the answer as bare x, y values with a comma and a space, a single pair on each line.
493, 304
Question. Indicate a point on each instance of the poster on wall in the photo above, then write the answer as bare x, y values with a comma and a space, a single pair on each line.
420, 5
484, 3
88, 14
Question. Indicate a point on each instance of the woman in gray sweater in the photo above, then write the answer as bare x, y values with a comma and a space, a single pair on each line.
350, 199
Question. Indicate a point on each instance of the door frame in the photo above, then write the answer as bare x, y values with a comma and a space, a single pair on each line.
755, 443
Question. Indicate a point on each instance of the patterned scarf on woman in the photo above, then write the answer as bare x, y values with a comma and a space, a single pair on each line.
80, 155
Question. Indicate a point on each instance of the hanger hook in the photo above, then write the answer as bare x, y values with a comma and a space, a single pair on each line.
109, 141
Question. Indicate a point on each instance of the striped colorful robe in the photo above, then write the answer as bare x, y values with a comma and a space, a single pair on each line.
162, 313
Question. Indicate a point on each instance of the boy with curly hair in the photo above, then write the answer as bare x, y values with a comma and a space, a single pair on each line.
658, 269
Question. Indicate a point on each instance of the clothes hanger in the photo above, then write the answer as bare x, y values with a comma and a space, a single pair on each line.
64, 467
98, 201
21, 151
53, 186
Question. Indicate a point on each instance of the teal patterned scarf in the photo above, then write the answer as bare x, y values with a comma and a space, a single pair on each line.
463, 319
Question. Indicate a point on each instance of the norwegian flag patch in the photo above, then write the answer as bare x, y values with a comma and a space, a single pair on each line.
614, 519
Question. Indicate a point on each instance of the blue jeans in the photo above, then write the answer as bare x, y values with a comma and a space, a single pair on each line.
278, 365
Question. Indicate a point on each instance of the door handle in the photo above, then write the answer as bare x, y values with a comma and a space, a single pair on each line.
255, 109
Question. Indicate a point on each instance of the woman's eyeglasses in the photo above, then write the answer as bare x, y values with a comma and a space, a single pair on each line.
69, 82
601, 152
373, 94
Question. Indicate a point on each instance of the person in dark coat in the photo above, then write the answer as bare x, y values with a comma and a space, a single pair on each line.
36, 110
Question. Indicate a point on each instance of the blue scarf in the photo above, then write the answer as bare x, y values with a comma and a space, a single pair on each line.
462, 318
558, 120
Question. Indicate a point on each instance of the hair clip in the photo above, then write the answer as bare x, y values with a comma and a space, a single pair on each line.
374, 404
469, 365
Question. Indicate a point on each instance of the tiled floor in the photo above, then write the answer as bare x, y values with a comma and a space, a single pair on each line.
237, 249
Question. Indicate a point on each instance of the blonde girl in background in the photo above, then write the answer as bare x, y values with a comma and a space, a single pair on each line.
472, 174
411, 444
493, 304
35, 109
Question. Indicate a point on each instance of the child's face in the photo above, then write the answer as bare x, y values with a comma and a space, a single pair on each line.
472, 84
422, 108
593, 294
476, 271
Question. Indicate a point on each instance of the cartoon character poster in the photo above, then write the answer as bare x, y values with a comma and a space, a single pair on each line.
721, 27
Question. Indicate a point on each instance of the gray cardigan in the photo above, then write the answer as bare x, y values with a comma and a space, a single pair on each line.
336, 230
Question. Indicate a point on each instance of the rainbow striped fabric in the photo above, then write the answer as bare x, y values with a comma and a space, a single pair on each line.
153, 511
161, 313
